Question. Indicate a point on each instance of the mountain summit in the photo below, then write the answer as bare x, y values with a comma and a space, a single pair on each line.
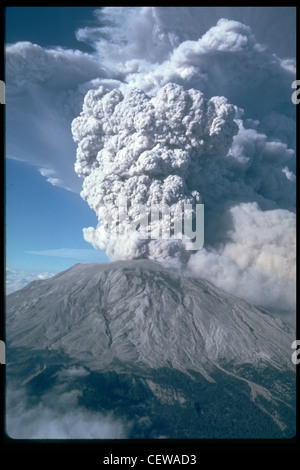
170, 355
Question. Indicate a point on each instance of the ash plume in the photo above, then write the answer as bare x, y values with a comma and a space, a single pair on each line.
189, 117
149, 150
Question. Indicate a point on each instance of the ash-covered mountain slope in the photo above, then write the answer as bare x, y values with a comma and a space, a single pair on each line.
141, 314
170, 344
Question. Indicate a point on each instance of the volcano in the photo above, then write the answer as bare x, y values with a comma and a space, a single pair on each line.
167, 355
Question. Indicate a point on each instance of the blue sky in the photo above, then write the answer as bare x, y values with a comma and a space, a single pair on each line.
29, 227
48, 26
41, 217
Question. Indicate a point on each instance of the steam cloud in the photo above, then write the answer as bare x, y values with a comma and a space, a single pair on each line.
162, 136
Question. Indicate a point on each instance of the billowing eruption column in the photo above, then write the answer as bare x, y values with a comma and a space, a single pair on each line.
149, 150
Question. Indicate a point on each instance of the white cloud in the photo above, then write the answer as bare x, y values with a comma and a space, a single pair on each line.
84, 255
222, 62
17, 279
57, 415
44, 90
153, 32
